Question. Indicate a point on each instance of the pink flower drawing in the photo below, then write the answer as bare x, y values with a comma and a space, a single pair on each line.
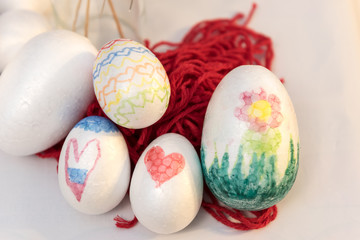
259, 109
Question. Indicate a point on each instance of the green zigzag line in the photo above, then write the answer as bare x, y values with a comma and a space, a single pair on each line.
131, 84
134, 106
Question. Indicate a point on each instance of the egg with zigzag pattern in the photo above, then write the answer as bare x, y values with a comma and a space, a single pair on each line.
130, 84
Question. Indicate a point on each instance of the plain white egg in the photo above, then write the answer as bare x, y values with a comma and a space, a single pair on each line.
44, 91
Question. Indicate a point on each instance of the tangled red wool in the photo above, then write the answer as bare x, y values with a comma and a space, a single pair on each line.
195, 66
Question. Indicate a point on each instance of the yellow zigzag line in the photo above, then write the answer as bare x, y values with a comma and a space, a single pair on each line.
107, 89
105, 73
126, 91
133, 105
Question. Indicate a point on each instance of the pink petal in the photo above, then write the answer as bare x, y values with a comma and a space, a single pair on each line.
274, 99
244, 117
262, 94
258, 126
276, 120
247, 100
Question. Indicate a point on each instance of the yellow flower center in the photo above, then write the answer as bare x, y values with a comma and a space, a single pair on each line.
260, 109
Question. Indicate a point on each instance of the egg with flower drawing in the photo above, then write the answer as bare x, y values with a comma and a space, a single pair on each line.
250, 140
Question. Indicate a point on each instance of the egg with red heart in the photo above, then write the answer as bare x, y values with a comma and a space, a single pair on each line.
167, 187
94, 166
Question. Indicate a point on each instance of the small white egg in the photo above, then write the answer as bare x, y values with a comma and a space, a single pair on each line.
167, 187
94, 166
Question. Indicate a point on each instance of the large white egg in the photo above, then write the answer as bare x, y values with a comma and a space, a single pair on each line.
40, 6
250, 140
166, 187
94, 166
130, 84
44, 91
16, 28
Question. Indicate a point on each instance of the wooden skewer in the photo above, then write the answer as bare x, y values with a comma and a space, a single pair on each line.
86, 27
102, 8
118, 26
76, 15
87, 18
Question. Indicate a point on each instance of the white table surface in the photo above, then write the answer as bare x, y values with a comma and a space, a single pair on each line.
317, 52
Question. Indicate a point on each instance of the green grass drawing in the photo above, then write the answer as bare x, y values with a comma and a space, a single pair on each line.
259, 189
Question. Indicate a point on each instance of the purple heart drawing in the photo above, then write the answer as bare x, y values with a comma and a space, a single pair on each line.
76, 178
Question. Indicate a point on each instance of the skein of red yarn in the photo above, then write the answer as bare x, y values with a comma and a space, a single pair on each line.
195, 66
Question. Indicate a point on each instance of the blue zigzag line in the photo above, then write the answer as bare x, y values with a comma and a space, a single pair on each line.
123, 52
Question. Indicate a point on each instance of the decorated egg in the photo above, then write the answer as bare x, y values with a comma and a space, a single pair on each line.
44, 91
16, 28
130, 84
94, 166
250, 140
166, 187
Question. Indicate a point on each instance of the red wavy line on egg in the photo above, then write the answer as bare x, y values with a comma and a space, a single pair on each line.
110, 44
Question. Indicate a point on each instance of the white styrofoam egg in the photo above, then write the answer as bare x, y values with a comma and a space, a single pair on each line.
167, 187
250, 140
40, 6
130, 84
16, 28
44, 91
94, 166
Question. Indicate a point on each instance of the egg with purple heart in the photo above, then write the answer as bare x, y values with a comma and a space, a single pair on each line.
94, 166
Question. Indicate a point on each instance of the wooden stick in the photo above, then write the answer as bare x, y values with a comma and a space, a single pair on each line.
76, 15
102, 8
118, 26
87, 18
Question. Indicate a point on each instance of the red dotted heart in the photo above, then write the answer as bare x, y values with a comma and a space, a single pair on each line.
162, 168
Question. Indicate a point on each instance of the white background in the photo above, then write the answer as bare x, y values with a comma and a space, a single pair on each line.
316, 44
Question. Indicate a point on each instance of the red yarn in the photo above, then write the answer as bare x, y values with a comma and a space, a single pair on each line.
122, 223
240, 220
53, 152
195, 66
